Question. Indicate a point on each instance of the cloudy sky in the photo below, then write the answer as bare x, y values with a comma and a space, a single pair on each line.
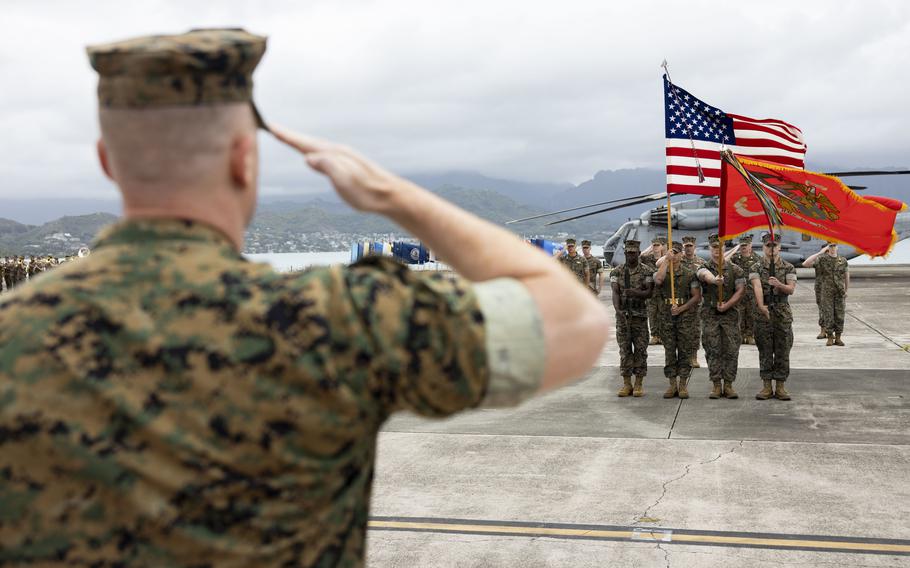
535, 91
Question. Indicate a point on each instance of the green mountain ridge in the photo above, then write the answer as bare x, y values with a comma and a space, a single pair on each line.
313, 226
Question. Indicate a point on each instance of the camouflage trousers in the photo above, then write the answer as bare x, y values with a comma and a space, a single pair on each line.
746, 309
774, 338
654, 316
831, 311
632, 337
818, 302
721, 338
676, 334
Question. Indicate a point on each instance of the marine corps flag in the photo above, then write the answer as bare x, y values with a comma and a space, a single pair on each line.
757, 194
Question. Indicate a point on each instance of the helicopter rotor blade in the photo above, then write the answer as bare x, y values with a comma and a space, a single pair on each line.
653, 197
584, 207
869, 173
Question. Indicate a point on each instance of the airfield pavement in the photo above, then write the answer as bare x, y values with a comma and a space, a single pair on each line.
582, 478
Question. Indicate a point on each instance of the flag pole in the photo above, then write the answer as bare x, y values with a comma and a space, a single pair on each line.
701, 178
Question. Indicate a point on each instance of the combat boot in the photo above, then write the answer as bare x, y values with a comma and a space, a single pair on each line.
654, 340
822, 334
830, 341
683, 388
728, 390
837, 340
750, 340
781, 393
717, 392
694, 362
639, 389
766, 392
672, 390
626, 389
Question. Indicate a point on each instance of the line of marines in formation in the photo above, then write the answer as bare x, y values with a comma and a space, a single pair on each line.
722, 305
15, 270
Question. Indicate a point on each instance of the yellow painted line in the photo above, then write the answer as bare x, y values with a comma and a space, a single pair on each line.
643, 534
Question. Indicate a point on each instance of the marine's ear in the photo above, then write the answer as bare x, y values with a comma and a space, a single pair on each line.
103, 158
243, 161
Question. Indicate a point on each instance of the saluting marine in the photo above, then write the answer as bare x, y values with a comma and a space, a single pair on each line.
649, 258
167, 402
695, 262
743, 257
632, 283
595, 267
773, 283
721, 336
575, 262
832, 280
679, 323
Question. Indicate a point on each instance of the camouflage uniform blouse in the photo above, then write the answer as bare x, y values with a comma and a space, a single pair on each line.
595, 267
734, 277
577, 264
831, 274
778, 304
632, 278
164, 402
684, 281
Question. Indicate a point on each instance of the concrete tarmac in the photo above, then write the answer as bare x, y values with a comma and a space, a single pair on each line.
580, 477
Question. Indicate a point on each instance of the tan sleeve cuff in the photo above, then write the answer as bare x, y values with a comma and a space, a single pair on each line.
516, 351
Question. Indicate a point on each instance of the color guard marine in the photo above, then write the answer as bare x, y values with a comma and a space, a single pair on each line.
632, 283
743, 257
695, 262
721, 335
679, 301
773, 281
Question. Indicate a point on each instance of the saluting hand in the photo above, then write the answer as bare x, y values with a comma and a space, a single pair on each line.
361, 183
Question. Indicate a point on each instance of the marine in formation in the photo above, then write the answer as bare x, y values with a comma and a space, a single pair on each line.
679, 294
773, 281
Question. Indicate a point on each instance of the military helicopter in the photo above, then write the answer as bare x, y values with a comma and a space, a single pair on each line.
700, 217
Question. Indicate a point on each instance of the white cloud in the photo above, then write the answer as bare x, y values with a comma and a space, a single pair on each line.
527, 90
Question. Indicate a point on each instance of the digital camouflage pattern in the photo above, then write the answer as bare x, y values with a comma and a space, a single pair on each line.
595, 267
632, 320
577, 264
720, 335
695, 263
746, 307
164, 402
774, 336
678, 333
650, 260
831, 281
196, 68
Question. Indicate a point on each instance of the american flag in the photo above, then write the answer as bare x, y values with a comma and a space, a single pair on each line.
767, 140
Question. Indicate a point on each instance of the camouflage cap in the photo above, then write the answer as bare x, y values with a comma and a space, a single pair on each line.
200, 67
676, 245
689, 240
632, 246
586, 243
659, 240
714, 240
769, 238
745, 239
570, 242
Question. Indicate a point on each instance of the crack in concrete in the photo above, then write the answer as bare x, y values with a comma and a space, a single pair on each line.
663, 493
666, 554
857, 318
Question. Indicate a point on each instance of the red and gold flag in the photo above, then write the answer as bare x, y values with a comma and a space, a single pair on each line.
808, 202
